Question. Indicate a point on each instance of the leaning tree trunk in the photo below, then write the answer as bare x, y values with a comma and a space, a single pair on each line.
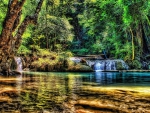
9, 44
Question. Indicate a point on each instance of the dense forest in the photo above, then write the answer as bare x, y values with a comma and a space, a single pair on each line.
119, 28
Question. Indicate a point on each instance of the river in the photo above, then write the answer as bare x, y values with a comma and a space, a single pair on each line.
56, 92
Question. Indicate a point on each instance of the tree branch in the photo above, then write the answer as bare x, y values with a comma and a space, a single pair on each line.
28, 20
8, 26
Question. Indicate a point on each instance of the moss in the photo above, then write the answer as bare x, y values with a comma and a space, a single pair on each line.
80, 68
134, 64
51, 61
119, 66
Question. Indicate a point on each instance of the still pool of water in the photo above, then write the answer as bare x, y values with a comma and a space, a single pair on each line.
96, 92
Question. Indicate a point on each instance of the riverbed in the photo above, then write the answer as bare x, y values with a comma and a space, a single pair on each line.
94, 92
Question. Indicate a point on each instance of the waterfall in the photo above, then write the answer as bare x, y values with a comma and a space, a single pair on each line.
99, 66
110, 65
106, 65
19, 63
103, 65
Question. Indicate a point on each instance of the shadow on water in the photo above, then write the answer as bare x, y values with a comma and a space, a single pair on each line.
95, 92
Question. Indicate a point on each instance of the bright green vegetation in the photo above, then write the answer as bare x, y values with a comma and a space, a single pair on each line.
121, 28
3, 11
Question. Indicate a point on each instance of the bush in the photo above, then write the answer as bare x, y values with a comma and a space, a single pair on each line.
51, 61
134, 64
82, 51
97, 48
23, 50
119, 66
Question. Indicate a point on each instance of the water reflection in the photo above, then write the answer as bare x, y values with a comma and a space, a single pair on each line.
104, 78
118, 78
50, 92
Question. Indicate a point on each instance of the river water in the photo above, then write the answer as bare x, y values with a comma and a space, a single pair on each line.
96, 92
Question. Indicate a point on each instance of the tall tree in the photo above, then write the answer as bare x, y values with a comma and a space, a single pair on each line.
12, 32
121, 26
53, 31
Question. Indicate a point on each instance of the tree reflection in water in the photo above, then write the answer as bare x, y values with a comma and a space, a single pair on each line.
75, 92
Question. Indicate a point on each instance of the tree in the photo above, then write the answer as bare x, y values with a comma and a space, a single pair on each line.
121, 26
53, 31
12, 31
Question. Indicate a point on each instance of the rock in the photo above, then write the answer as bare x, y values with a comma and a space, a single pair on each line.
83, 61
80, 67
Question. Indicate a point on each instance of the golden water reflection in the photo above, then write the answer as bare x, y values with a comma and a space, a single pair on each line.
34, 92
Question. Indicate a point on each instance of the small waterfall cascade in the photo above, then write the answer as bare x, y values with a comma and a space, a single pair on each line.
103, 65
110, 65
99, 66
107, 65
19, 63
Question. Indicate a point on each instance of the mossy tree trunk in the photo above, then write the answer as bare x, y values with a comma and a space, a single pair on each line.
10, 43
133, 46
141, 41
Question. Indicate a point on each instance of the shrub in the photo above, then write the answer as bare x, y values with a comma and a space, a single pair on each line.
134, 64
23, 50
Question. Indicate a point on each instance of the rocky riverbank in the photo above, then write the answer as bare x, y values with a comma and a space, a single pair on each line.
70, 64
48, 62
53, 64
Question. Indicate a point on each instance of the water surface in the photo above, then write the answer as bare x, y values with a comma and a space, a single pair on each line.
96, 92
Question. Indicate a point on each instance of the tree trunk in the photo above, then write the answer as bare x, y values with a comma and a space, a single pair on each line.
9, 44
133, 51
141, 38
145, 40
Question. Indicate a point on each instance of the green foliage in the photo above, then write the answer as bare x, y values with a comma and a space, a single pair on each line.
44, 61
45, 52
135, 64
23, 50
82, 51
46, 58
60, 27
97, 48
3, 12
112, 24
90, 26
66, 54
51, 61
127, 19
28, 8
56, 34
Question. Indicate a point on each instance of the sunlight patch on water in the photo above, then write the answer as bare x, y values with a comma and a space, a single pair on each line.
57, 73
137, 90
51, 91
